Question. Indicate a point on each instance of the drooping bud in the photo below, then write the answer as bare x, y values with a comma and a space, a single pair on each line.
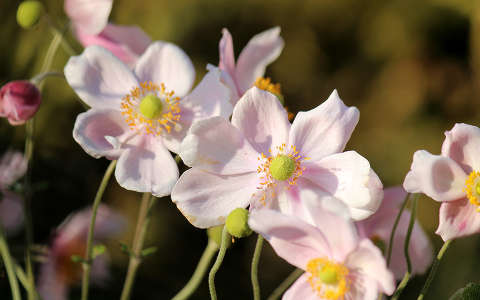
19, 101
29, 13
237, 223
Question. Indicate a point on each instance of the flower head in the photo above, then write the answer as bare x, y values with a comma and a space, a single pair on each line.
337, 263
261, 160
139, 116
59, 272
90, 23
453, 179
19, 101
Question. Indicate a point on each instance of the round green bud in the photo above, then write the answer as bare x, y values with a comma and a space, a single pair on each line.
328, 276
237, 223
151, 106
29, 13
282, 167
215, 234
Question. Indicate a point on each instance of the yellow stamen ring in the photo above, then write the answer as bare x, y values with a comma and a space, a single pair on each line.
472, 188
327, 278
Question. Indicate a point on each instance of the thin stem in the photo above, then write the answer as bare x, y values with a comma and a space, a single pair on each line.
7, 261
88, 252
254, 271
66, 46
434, 268
218, 263
285, 284
199, 273
140, 233
37, 79
407, 275
394, 229
52, 49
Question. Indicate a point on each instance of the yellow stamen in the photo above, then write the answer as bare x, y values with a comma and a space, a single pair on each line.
472, 188
267, 85
328, 279
165, 117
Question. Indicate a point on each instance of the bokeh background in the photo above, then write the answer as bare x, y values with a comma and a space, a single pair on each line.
411, 67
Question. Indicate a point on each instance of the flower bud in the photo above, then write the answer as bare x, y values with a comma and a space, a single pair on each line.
237, 223
29, 13
19, 101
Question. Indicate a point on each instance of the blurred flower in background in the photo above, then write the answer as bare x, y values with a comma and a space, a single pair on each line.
19, 101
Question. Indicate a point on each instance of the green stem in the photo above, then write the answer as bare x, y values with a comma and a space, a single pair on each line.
199, 273
140, 233
394, 229
7, 261
285, 284
88, 252
37, 79
434, 268
218, 263
254, 271
407, 275
55, 30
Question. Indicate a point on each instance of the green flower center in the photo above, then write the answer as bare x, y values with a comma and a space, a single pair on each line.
151, 106
282, 167
328, 275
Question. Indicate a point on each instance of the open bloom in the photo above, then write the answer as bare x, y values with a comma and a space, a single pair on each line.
259, 159
249, 70
90, 24
138, 116
19, 101
378, 228
59, 272
338, 264
453, 178
13, 166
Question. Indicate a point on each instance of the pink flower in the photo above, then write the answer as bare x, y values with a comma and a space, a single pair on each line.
259, 159
13, 166
139, 116
59, 272
338, 263
19, 101
91, 27
378, 228
453, 178
260, 51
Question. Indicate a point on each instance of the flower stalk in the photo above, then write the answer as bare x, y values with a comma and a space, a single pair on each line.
9, 266
278, 292
254, 271
394, 229
218, 263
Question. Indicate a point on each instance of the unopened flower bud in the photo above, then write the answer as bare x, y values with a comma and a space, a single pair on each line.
237, 223
19, 101
29, 13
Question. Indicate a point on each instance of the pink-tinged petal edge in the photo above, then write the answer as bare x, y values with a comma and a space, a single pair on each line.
90, 16
225, 49
462, 144
458, 218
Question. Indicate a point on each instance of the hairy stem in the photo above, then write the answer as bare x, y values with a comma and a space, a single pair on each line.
285, 284
218, 263
254, 271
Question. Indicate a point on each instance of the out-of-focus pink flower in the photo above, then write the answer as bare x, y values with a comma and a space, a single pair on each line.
260, 51
337, 263
13, 166
378, 228
90, 22
19, 101
453, 178
138, 116
260, 159
59, 272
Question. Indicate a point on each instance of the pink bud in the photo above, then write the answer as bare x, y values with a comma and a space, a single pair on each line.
19, 101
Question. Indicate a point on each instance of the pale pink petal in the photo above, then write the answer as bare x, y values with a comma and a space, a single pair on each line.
166, 63
348, 177
125, 42
99, 78
227, 58
292, 239
100, 273
368, 260
90, 16
101, 132
206, 199
217, 146
439, 177
50, 286
458, 218
325, 129
146, 166
300, 289
11, 212
13, 166
361, 287
261, 50
462, 144
262, 119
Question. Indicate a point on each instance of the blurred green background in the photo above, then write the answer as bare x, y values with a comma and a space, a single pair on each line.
411, 67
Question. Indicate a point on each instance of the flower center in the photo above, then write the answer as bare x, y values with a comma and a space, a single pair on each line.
472, 188
327, 278
151, 108
282, 167
265, 83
